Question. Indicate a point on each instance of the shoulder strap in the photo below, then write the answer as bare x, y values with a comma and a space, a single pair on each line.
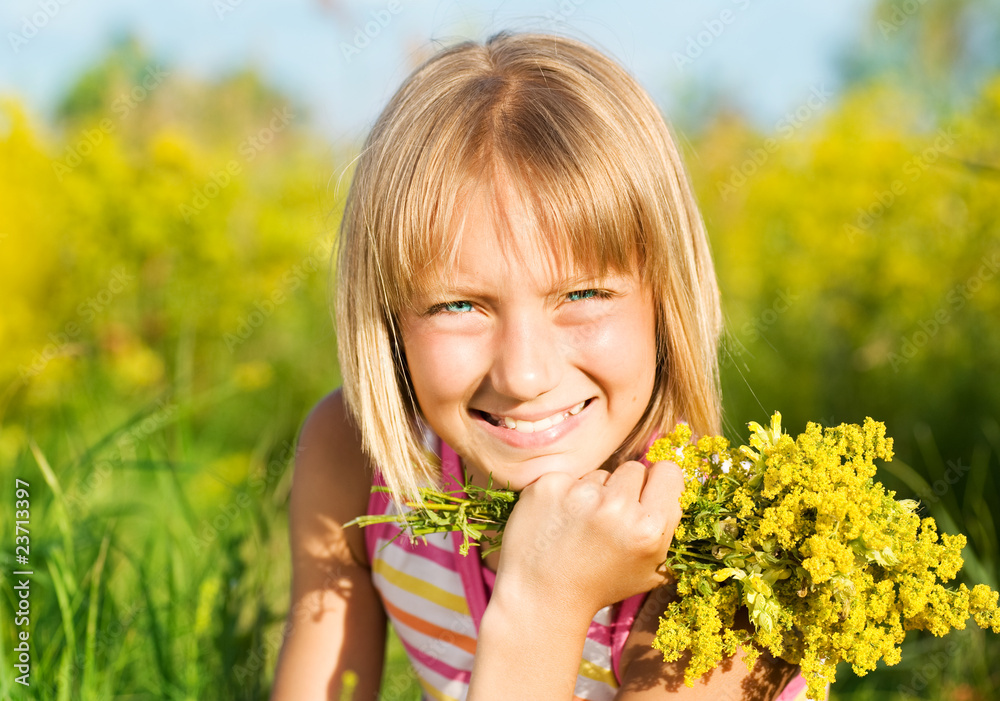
469, 566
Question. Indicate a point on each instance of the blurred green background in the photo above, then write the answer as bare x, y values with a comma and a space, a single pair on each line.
164, 267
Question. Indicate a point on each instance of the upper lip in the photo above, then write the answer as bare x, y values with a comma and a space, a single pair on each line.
534, 416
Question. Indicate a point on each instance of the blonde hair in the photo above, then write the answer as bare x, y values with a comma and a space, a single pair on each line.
585, 150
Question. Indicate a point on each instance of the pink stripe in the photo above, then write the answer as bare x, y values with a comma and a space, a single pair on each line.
794, 688
470, 566
378, 481
378, 503
599, 633
420, 549
622, 626
442, 668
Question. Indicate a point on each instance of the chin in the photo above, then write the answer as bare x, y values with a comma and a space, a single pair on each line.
520, 475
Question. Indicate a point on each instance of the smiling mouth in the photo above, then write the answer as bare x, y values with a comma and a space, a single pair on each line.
522, 426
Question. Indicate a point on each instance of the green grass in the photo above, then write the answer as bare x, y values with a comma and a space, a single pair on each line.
159, 558
398, 680
159, 551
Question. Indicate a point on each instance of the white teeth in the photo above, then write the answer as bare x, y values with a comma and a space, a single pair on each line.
542, 424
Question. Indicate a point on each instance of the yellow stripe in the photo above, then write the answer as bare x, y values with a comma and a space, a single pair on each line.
435, 693
591, 671
421, 588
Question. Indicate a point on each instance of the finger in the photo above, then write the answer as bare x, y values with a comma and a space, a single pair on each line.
599, 477
628, 479
664, 485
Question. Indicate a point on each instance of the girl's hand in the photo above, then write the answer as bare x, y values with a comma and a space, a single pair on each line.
579, 545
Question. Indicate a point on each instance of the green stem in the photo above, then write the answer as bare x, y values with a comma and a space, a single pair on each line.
689, 553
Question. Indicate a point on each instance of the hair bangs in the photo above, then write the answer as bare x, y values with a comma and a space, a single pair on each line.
525, 138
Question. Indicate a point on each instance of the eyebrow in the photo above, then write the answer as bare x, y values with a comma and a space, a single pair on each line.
454, 290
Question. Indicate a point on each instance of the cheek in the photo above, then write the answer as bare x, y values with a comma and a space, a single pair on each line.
621, 353
441, 369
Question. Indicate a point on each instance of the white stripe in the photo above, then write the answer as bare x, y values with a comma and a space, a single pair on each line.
424, 569
593, 690
604, 616
454, 688
598, 653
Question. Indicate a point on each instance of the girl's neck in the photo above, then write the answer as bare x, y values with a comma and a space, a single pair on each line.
491, 560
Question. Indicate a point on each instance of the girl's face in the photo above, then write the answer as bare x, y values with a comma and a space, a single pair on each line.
526, 367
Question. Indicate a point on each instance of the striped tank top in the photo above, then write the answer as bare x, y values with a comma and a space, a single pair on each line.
436, 597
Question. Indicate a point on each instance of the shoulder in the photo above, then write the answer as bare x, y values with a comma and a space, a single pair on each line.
331, 484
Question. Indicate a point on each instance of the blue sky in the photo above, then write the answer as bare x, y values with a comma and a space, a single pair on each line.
763, 55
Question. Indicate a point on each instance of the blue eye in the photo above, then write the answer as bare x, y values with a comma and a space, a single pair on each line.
456, 307
580, 295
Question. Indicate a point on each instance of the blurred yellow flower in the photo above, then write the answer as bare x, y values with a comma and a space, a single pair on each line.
253, 375
138, 366
13, 440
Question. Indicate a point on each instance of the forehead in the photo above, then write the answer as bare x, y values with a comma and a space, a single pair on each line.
500, 234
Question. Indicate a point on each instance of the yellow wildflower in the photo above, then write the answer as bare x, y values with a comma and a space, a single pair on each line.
829, 565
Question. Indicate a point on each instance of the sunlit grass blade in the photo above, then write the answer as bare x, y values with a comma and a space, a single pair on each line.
59, 503
87, 686
66, 681
157, 639
58, 579
96, 447
936, 468
975, 478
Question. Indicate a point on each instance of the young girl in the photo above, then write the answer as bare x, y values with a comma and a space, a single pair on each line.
526, 296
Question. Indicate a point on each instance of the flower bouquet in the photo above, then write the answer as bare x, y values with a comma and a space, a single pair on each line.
828, 564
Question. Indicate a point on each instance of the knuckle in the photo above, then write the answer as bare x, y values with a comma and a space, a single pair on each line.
631, 467
648, 533
581, 496
549, 484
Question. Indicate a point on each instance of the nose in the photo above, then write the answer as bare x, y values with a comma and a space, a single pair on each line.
528, 358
